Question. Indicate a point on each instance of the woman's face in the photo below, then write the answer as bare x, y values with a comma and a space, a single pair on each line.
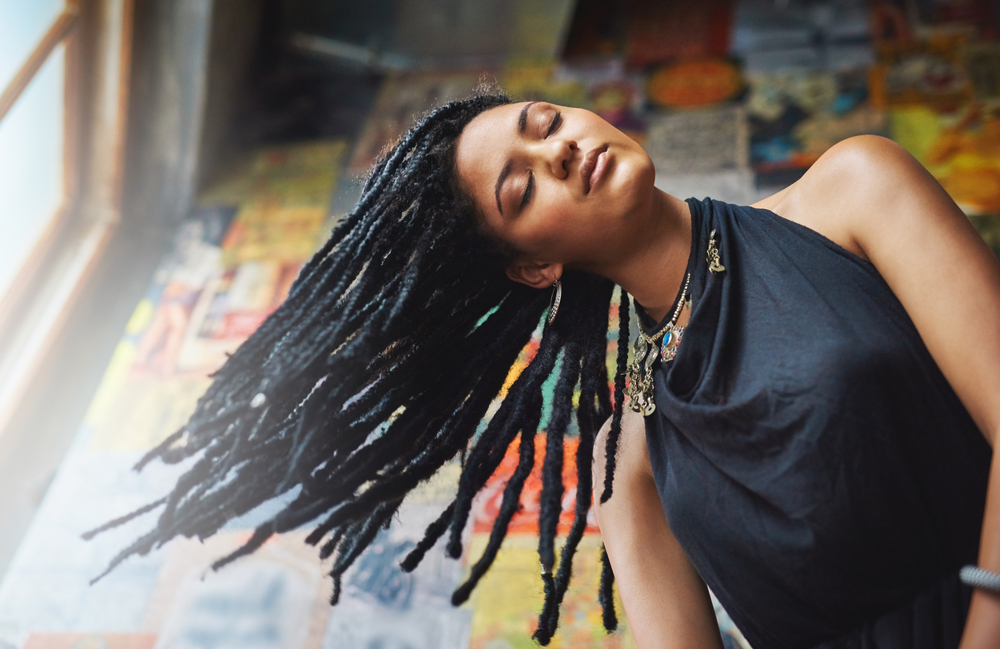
560, 185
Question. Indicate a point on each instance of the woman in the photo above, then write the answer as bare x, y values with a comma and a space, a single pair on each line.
803, 408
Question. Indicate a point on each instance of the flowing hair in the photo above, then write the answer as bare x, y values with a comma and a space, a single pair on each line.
381, 367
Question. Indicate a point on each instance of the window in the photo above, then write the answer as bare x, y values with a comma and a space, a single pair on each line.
32, 126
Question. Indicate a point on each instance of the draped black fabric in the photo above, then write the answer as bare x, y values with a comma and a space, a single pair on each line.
812, 460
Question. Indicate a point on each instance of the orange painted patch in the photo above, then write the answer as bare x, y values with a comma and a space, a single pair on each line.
525, 521
693, 84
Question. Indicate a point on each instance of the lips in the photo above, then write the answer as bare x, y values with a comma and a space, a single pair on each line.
592, 167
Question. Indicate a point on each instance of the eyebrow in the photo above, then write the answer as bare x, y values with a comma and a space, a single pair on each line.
522, 121
522, 126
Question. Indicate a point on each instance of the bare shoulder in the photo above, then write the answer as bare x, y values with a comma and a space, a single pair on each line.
856, 183
632, 457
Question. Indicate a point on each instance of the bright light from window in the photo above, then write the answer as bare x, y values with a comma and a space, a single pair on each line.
31, 164
22, 25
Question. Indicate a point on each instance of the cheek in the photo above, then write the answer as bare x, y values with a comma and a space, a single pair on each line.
578, 231
550, 230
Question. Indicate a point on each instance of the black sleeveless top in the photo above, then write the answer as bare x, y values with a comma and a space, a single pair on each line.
812, 460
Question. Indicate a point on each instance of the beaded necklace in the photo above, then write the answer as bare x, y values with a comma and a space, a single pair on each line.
647, 349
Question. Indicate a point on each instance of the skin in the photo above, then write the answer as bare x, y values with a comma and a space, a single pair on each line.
866, 194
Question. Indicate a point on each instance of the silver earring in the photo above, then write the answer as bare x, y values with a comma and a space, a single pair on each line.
554, 302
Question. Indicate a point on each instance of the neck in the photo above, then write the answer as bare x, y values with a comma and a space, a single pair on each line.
654, 270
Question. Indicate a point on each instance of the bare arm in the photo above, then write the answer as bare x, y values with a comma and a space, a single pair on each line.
666, 602
948, 281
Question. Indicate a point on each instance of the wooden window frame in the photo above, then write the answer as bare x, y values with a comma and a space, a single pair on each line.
58, 31
34, 307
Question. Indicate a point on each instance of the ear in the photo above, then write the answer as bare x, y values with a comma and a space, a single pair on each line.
533, 273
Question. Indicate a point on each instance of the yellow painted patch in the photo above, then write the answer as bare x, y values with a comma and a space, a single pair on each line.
507, 601
141, 317
114, 378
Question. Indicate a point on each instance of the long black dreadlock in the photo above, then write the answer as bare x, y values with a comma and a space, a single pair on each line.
380, 367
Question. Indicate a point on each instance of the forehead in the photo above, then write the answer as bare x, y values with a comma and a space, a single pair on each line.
482, 151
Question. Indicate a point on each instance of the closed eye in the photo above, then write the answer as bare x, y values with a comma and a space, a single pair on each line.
556, 121
528, 190
530, 187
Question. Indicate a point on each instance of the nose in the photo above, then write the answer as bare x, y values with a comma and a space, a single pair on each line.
558, 154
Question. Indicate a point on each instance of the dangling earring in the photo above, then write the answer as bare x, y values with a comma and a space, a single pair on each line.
554, 302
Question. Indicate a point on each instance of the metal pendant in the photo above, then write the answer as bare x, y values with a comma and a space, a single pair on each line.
640, 377
714, 264
640, 350
649, 406
670, 345
654, 352
632, 391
